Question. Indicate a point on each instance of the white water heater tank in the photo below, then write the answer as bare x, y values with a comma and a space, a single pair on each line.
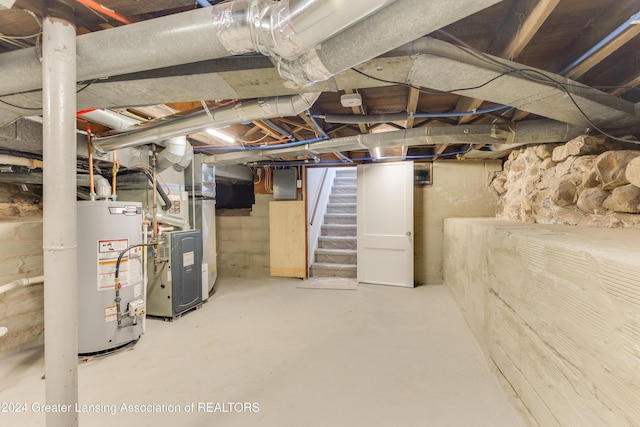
105, 228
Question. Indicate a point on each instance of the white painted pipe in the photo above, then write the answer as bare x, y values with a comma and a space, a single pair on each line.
177, 152
103, 187
115, 121
27, 281
6, 159
60, 219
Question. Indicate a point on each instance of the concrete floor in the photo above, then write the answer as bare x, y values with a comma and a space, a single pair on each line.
376, 356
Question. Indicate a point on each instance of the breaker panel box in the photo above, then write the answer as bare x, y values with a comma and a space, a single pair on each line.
175, 276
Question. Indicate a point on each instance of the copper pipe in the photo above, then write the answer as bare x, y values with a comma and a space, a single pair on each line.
92, 187
114, 172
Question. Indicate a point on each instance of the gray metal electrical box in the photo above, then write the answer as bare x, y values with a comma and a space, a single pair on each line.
175, 277
284, 184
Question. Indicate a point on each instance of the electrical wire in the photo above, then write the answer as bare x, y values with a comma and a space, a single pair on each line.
95, 6
428, 91
268, 185
528, 73
32, 91
86, 85
30, 36
117, 272
17, 106
253, 142
149, 169
259, 177
506, 72
575, 103
539, 77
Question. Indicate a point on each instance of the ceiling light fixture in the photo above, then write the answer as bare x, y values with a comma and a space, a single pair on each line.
221, 136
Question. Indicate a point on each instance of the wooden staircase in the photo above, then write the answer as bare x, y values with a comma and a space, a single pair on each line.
336, 255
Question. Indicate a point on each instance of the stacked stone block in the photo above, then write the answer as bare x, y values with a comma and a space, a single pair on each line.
589, 180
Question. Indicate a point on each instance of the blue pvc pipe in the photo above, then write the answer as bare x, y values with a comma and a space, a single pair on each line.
279, 129
313, 120
436, 115
203, 3
601, 44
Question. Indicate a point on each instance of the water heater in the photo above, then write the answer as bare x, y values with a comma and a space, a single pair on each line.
105, 229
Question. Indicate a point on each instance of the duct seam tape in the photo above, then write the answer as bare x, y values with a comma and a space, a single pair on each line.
229, 31
305, 70
266, 108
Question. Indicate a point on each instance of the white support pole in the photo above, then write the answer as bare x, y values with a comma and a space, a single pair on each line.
59, 236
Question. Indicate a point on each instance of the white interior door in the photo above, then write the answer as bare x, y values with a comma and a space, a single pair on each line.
385, 223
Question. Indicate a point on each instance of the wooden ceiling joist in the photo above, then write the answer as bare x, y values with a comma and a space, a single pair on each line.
298, 126
412, 106
604, 52
627, 85
523, 22
267, 130
358, 110
309, 122
440, 149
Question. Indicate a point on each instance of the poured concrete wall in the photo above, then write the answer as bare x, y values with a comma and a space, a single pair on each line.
243, 242
557, 311
22, 309
459, 189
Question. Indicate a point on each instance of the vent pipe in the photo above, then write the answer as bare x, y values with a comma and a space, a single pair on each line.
180, 124
528, 132
177, 152
396, 25
282, 29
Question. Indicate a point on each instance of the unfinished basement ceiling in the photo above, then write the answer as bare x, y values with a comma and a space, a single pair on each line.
523, 54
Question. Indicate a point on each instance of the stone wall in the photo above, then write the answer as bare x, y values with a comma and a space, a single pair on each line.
243, 242
18, 201
589, 180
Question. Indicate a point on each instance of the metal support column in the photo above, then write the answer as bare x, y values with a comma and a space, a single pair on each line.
59, 219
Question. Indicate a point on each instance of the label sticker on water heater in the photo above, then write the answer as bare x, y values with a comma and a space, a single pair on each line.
110, 246
108, 252
188, 258
110, 314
